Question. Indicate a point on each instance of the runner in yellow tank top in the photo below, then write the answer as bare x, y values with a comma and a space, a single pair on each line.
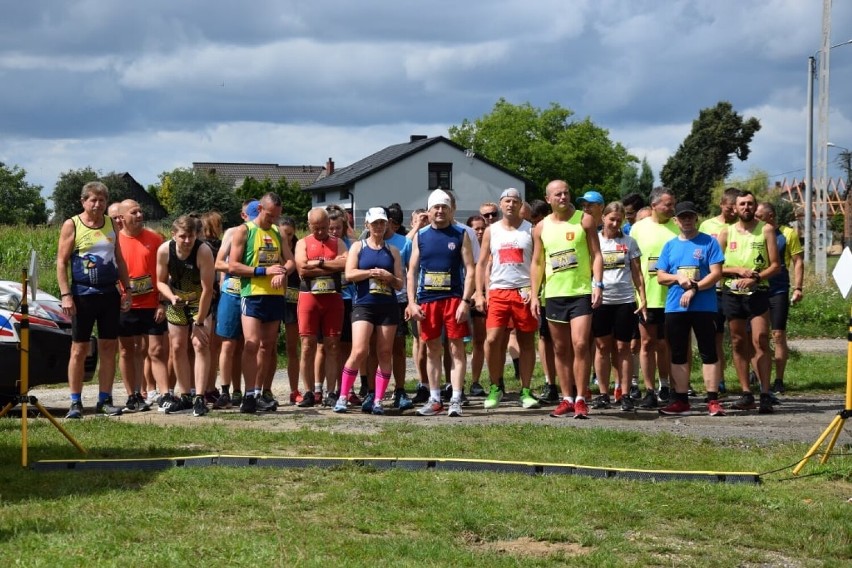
751, 256
568, 261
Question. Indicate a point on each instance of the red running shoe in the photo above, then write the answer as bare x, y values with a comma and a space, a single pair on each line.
564, 409
676, 408
715, 409
354, 400
581, 409
295, 397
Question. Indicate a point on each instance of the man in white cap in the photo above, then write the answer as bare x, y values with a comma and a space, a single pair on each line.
440, 286
503, 290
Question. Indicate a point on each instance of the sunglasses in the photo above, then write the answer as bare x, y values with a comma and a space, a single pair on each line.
489, 215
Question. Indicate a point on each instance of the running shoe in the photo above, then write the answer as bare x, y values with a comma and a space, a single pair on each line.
745, 402
627, 404
223, 402
199, 407
528, 400
455, 409
130, 405
75, 412
141, 404
601, 402
715, 409
152, 398
650, 400
494, 397
295, 397
431, 408
248, 405
165, 401
401, 400
354, 399
549, 394
266, 402
663, 394
367, 405
447, 392
377, 408
691, 393
341, 406
106, 408
635, 393
581, 409
765, 404
778, 386
211, 396
421, 395
330, 399
476, 389
184, 402
564, 409
307, 400
676, 408
237, 398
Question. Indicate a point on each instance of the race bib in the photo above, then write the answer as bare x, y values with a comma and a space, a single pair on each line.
690, 272
323, 285
563, 260
141, 285
292, 295
379, 287
652, 264
267, 257
436, 281
613, 260
232, 286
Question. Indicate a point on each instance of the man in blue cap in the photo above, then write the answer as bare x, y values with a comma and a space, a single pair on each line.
592, 203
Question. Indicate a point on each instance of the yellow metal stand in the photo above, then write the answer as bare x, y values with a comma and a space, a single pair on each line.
836, 425
24, 399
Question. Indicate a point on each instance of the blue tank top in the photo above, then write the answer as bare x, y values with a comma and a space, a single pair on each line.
440, 263
371, 290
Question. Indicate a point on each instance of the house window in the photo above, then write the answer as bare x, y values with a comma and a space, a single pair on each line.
344, 194
320, 197
440, 175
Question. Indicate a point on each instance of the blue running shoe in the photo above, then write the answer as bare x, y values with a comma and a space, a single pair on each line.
367, 405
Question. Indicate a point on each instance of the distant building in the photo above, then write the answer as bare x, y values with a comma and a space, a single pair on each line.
303, 175
407, 173
149, 204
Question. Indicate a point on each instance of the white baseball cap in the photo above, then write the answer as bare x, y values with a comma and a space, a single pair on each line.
439, 197
376, 214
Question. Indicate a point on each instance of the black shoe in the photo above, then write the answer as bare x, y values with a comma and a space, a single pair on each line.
765, 404
650, 400
447, 392
248, 405
464, 400
178, 404
266, 402
745, 402
550, 395
106, 408
778, 386
199, 407
330, 399
421, 395
635, 393
307, 400
627, 404
477, 390
691, 393
664, 394
600, 402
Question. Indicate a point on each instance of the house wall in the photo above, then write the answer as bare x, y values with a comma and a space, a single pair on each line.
406, 183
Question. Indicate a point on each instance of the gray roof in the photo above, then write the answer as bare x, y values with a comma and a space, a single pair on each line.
304, 175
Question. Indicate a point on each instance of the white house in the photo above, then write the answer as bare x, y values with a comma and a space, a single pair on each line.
407, 173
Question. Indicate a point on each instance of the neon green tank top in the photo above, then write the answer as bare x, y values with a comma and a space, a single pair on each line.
263, 248
746, 250
651, 236
567, 267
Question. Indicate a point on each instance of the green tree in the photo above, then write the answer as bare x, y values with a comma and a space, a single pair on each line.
704, 157
66, 192
183, 190
646, 179
629, 180
20, 201
543, 145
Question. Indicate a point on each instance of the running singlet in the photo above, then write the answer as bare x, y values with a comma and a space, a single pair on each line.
511, 257
263, 248
93, 266
788, 247
440, 263
184, 275
140, 256
372, 290
567, 267
748, 251
651, 236
315, 250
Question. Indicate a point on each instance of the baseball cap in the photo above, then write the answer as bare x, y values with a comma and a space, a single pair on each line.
685, 207
439, 197
591, 197
253, 210
376, 214
510, 192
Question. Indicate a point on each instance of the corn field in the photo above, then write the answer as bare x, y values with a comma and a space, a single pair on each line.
16, 242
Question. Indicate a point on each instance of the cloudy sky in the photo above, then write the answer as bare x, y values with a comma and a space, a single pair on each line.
149, 86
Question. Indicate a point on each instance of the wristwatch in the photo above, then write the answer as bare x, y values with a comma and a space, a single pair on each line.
596, 284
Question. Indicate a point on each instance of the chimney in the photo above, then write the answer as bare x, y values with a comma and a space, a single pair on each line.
417, 137
329, 167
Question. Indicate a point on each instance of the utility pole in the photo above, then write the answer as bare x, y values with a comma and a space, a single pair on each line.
823, 235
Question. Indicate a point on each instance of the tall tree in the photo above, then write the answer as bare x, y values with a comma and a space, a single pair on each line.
183, 190
705, 156
629, 180
297, 203
20, 201
646, 179
543, 145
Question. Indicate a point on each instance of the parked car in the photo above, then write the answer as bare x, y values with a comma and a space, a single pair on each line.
50, 341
